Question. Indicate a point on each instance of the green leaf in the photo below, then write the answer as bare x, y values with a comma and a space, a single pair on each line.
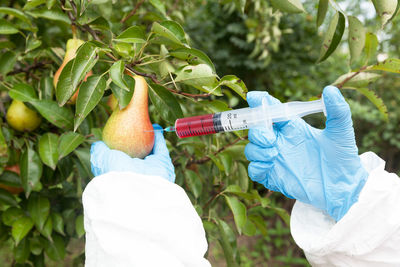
240, 5
201, 77
64, 89
159, 5
39, 209
61, 117
7, 198
3, 150
235, 84
134, 35
52, 14
10, 179
31, 171
31, 43
385, 9
79, 229
238, 210
47, 228
23, 92
68, 143
170, 30
249, 228
165, 102
371, 46
55, 250
46, 88
389, 65
356, 38
192, 56
35, 245
333, 36
30, 4
7, 62
12, 214
283, 214
16, 13
289, 6
20, 228
83, 155
362, 79
322, 9
58, 223
194, 182
7, 27
86, 58
215, 106
374, 98
21, 251
90, 94
123, 96
117, 72
260, 223
48, 150
224, 230
243, 178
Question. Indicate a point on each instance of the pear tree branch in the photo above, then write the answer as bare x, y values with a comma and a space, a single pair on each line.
87, 28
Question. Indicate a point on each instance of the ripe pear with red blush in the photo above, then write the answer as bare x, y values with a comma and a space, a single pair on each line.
129, 129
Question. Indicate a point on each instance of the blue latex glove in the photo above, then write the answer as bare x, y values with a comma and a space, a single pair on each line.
318, 167
158, 163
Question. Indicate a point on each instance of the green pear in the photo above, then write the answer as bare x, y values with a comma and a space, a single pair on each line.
22, 118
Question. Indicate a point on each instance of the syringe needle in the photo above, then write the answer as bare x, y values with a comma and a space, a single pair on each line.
170, 129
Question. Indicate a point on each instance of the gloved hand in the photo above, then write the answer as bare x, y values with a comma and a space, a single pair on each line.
317, 167
158, 163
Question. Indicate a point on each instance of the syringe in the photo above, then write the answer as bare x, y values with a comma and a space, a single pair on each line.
244, 118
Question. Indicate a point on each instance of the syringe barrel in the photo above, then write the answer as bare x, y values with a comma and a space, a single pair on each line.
245, 118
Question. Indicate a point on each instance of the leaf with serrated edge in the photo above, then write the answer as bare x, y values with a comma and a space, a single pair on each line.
389, 65
374, 98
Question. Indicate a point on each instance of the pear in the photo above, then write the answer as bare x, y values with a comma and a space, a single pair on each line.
12, 188
70, 53
22, 118
129, 129
112, 102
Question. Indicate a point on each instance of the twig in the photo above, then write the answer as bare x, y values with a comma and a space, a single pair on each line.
28, 69
340, 85
207, 158
133, 12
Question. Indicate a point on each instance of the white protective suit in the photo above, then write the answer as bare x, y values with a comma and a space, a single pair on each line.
138, 220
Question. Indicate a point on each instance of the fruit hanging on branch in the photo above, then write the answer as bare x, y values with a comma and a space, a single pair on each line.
22, 118
129, 129
70, 53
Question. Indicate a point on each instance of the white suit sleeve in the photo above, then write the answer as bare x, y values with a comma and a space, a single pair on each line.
138, 220
368, 235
